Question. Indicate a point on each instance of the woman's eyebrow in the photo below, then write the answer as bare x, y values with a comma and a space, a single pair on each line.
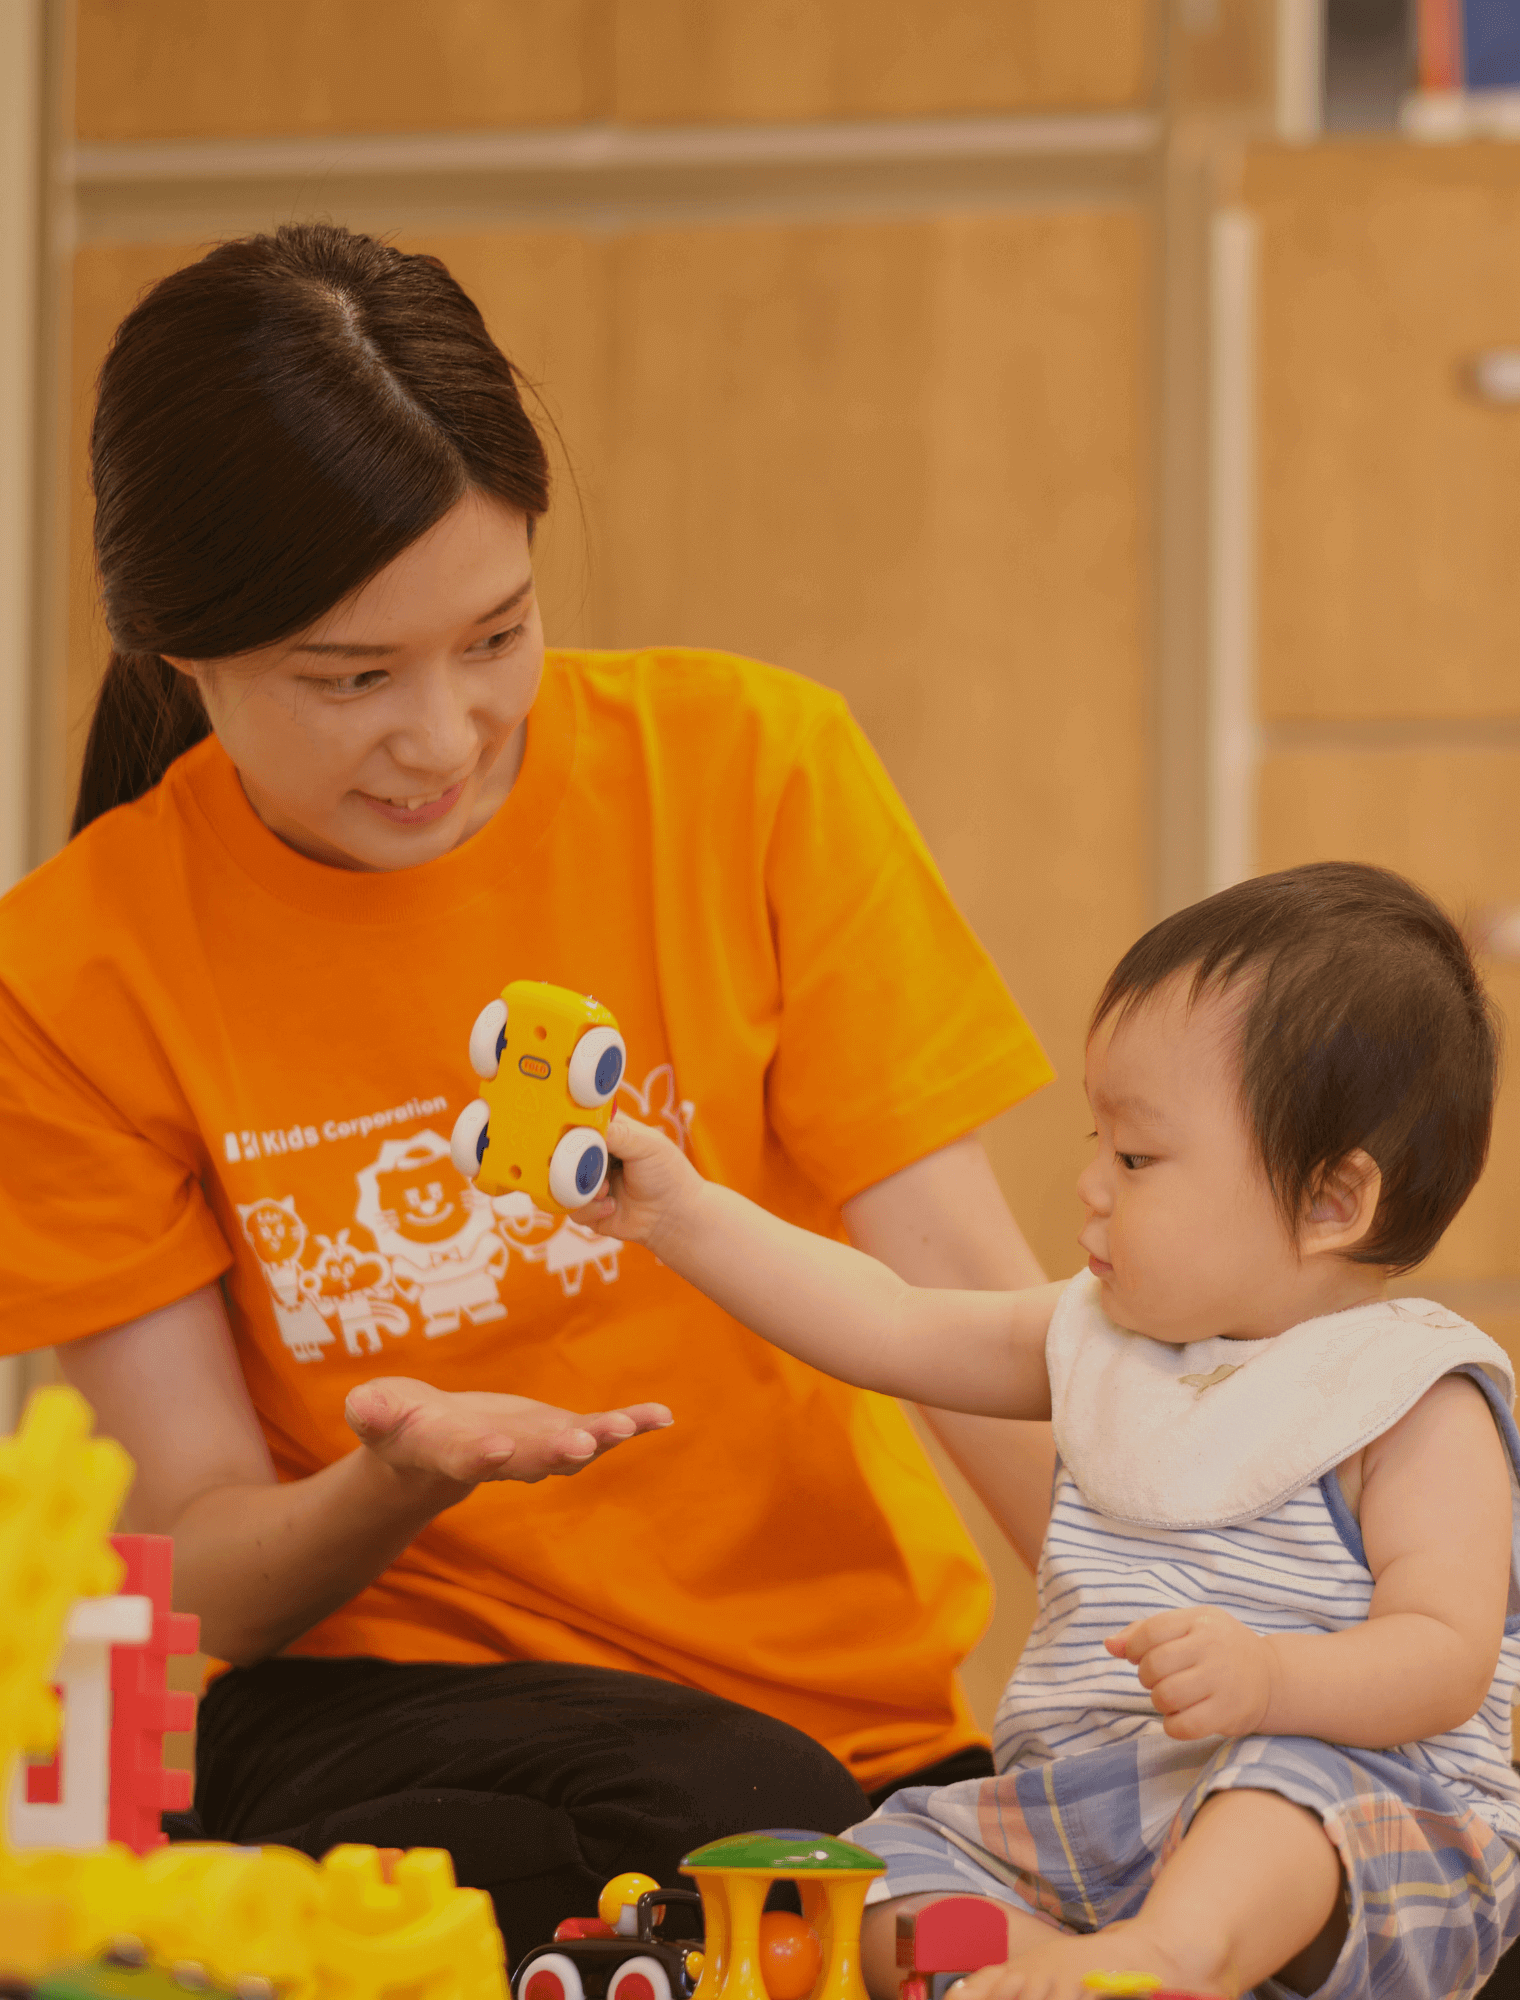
507, 603
343, 650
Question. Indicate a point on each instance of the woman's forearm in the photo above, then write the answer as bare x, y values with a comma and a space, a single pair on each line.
261, 1564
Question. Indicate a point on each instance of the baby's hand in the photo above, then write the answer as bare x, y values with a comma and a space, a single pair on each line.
1208, 1674
650, 1175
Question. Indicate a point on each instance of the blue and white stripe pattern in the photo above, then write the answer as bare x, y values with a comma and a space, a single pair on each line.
1298, 1569
1092, 1795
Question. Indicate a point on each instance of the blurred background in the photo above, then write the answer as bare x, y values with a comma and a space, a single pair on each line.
1119, 400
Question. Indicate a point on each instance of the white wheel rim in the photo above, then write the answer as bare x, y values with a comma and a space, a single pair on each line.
485, 1037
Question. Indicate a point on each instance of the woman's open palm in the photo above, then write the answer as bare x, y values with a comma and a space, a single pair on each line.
474, 1435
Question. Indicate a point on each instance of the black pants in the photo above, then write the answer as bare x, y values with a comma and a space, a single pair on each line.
542, 1780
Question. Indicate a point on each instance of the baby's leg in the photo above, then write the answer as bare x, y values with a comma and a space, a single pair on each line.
878, 1937
1253, 1889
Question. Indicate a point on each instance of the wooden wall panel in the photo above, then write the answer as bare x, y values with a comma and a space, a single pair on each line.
1447, 819
218, 68
1387, 488
706, 60
187, 69
910, 460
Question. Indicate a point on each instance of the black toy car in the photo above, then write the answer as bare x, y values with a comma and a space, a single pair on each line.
588, 1960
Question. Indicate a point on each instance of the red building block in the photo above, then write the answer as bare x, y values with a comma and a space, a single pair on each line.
44, 1776
940, 1941
142, 1706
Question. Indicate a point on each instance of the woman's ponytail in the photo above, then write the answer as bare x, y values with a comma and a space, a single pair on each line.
275, 424
146, 714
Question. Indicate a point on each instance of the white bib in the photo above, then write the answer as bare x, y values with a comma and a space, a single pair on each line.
1225, 1430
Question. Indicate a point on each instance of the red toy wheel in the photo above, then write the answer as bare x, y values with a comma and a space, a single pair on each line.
552, 1977
639, 1979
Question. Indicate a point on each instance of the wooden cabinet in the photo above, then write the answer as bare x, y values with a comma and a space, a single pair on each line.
779, 59
1390, 493
224, 69
1446, 818
1389, 607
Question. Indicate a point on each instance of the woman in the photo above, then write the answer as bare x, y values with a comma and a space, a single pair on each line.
334, 797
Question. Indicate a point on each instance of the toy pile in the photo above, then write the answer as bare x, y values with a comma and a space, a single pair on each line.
94, 1905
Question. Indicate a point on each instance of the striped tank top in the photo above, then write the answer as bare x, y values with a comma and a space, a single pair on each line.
1290, 1562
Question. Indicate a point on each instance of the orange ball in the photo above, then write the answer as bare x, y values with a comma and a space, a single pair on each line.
790, 1955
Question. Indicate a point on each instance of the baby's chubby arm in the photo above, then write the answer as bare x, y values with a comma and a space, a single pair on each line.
982, 1352
1435, 1521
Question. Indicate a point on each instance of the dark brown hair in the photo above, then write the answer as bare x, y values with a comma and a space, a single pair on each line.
1366, 1026
275, 424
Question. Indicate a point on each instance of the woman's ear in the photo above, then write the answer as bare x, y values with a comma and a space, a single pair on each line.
1342, 1207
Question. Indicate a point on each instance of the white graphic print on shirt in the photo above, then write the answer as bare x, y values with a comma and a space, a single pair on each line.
279, 1239
431, 1250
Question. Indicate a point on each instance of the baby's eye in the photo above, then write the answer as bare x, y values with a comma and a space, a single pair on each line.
1133, 1161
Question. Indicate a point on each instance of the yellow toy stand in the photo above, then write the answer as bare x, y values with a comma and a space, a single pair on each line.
734, 1875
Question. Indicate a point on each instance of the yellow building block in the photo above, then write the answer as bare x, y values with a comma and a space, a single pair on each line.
100, 1892
337, 1930
60, 1490
34, 1933
242, 1913
416, 1936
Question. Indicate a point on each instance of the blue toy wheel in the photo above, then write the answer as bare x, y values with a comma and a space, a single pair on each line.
488, 1038
596, 1067
577, 1167
470, 1137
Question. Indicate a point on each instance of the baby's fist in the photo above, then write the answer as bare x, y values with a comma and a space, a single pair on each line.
1207, 1674
644, 1192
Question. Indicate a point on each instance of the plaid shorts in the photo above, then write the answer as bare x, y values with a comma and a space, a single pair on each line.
1433, 1892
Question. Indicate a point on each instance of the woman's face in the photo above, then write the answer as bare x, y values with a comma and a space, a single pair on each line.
392, 729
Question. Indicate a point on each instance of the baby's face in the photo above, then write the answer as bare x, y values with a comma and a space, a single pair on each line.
1182, 1229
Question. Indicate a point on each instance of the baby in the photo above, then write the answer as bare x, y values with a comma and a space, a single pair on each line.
1260, 1734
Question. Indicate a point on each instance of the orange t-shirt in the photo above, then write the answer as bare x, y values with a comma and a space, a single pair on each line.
220, 1059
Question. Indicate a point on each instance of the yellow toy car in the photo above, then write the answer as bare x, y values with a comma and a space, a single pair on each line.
551, 1061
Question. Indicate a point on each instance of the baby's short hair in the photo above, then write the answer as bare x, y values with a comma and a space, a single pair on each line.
1366, 1026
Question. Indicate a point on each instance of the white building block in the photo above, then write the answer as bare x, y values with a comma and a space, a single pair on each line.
83, 1677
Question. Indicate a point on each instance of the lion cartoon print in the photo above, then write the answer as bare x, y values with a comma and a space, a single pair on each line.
436, 1233
278, 1237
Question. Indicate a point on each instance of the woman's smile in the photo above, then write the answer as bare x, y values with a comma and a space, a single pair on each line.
417, 810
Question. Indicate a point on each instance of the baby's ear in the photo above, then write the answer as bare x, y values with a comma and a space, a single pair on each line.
1343, 1205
